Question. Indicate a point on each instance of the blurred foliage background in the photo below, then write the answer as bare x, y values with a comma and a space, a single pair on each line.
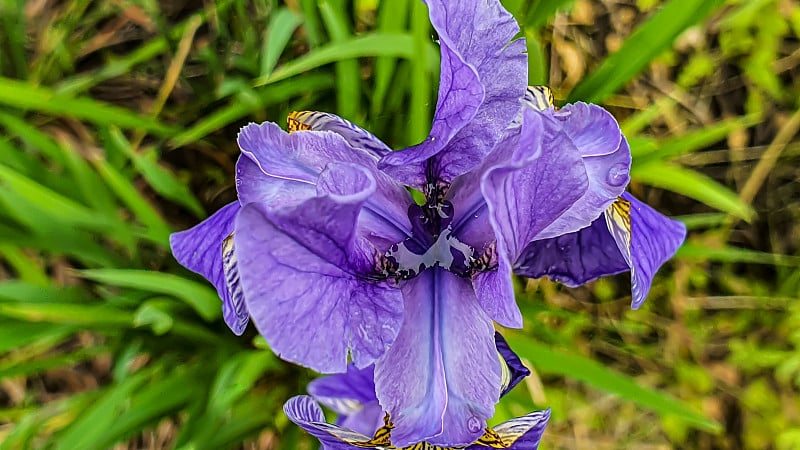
118, 121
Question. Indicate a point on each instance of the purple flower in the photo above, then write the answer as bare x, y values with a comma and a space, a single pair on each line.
352, 396
328, 253
521, 433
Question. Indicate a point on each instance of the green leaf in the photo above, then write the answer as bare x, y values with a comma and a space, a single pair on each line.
22, 95
348, 77
99, 316
159, 178
202, 298
696, 140
392, 18
375, 44
280, 29
647, 42
237, 376
58, 206
237, 109
581, 368
728, 254
692, 184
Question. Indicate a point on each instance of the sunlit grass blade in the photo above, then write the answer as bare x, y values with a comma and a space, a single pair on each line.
161, 180
578, 367
692, 184
95, 316
693, 141
647, 42
348, 78
237, 109
728, 254
156, 229
25, 96
15, 334
376, 44
59, 207
282, 25
541, 11
392, 18
202, 298
420, 106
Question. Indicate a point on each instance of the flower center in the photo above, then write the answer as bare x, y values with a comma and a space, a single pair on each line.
433, 244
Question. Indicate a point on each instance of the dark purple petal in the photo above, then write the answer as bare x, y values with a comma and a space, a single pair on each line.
306, 413
278, 169
305, 276
351, 395
521, 433
654, 239
342, 390
514, 371
366, 420
483, 79
357, 137
574, 258
441, 378
629, 236
199, 249
606, 157
525, 193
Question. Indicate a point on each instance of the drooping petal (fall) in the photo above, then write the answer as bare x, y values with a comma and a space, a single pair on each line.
526, 192
630, 236
520, 433
356, 136
654, 238
606, 156
441, 378
200, 249
483, 79
280, 169
308, 277
351, 395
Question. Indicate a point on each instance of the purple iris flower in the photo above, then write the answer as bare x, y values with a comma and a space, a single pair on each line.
352, 396
328, 253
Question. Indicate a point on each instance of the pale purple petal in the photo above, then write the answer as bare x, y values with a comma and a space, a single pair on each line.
305, 276
357, 137
334, 391
279, 169
654, 239
441, 378
199, 249
351, 395
525, 194
521, 433
606, 157
306, 413
483, 79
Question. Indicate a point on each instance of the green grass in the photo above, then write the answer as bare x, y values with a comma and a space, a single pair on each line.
117, 129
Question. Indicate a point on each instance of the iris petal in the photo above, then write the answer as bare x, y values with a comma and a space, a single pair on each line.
629, 236
356, 136
520, 433
654, 239
483, 78
278, 169
525, 194
441, 378
303, 272
605, 155
200, 249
